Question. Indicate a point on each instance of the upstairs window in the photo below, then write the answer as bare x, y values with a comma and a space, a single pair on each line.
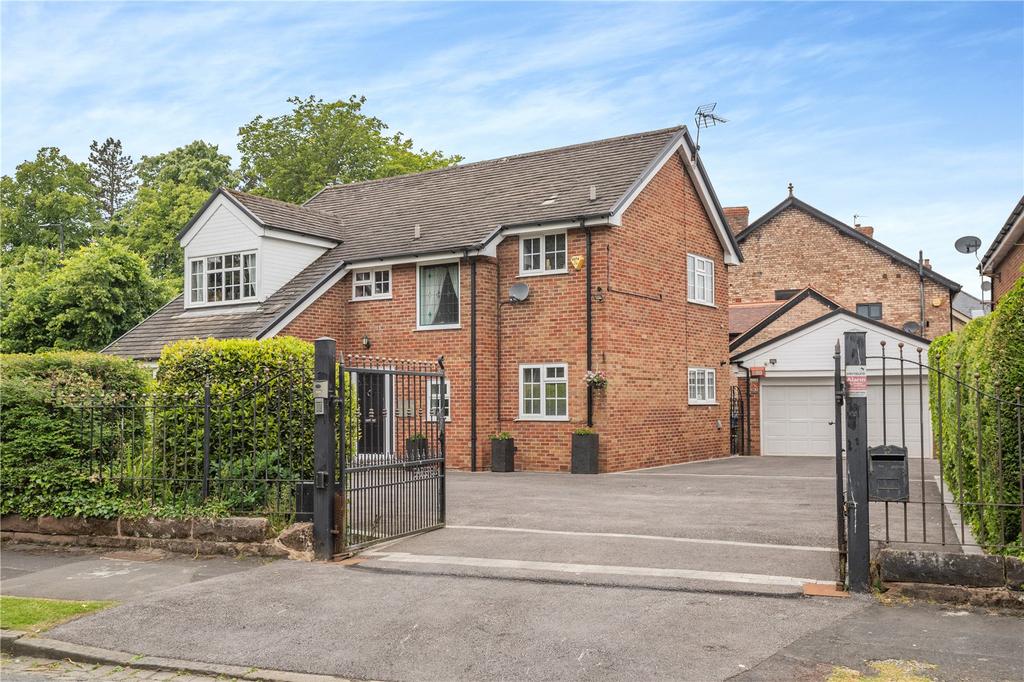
371, 284
226, 278
438, 296
700, 280
701, 383
543, 254
870, 310
785, 294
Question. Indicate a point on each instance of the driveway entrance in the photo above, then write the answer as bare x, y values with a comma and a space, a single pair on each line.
766, 524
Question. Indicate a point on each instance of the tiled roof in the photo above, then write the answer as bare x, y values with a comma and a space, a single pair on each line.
460, 206
743, 316
987, 263
284, 216
965, 304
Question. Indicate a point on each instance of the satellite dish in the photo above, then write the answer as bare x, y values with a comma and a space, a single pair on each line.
912, 327
986, 285
967, 244
518, 293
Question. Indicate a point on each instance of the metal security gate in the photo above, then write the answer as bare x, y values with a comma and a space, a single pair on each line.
391, 463
380, 449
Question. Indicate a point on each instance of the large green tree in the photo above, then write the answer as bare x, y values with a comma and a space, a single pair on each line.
292, 156
113, 174
47, 197
198, 163
96, 293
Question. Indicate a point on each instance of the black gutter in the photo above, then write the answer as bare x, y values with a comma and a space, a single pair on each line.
472, 364
590, 322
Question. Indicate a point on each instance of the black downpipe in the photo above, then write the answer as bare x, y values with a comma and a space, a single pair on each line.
472, 365
590, 323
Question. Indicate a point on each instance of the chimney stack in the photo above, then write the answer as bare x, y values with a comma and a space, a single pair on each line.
738, 218
927, 263
865, 230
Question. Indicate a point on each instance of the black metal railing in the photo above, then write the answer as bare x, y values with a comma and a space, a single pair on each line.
244, 450
391, 475
737, 424
964, 483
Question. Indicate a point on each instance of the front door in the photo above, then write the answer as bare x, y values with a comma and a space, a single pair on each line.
371, 390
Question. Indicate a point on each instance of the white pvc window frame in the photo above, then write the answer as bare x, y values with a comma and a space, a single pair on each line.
700, 279
544, 254
211, 273
371, 284
535, 403
701, 387
433, 399
419, 296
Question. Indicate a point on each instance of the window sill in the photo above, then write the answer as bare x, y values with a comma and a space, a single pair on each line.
437, 327
534, 418
369, 298
543, 273
698, 403
703, 303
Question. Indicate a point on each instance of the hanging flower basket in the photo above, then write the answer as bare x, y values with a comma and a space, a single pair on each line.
596, 379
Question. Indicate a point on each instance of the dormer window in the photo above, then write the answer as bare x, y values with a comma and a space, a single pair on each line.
225, 278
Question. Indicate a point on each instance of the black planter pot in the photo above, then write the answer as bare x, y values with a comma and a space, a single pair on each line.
415, 449
503, 455
584, 453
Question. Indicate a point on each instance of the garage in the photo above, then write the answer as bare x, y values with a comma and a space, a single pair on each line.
795, 404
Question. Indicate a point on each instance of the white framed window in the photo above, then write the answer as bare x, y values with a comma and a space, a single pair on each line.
371, 284
439, 399
700, 279
701, 382
437, 296
543, 254
225, 278
544, 392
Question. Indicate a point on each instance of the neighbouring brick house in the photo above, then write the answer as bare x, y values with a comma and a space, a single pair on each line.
804, 273
1004, 260
421, 265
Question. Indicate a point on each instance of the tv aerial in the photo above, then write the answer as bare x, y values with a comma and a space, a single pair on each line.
705, 117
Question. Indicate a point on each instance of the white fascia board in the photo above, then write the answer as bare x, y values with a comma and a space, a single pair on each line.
490, 247
313, 296
1015, 234
680, 146
309, 240
250, 221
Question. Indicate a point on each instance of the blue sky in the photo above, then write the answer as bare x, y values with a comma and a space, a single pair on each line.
911, 115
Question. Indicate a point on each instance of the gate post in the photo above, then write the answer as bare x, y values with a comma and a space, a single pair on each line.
323, 447
857, 461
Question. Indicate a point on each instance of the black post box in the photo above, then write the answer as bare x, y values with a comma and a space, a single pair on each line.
888, 475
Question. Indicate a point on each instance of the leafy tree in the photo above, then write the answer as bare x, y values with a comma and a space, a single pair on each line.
48, 195
199, 164
292, 156
98, 292
153, 221
113, 174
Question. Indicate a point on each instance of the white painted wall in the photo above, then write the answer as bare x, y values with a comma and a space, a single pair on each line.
282, 260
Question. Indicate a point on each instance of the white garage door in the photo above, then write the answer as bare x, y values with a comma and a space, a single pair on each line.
795, 418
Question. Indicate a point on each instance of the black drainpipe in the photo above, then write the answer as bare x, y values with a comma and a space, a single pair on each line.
472, 364
739, 363
590, 323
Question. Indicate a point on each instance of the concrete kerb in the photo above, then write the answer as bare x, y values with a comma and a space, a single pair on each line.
17, 643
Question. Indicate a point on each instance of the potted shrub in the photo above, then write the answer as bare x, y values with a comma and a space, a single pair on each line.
503, 452
416, 447
584, 451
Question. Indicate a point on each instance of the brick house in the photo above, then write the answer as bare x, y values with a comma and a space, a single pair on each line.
1004, 260
806, 275
622, 242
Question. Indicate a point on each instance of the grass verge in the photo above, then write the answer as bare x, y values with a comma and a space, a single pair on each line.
37, 615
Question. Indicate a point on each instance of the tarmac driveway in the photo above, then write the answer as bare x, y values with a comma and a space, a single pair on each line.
764, 524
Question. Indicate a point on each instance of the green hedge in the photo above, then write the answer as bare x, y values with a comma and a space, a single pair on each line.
45, 465
990, 354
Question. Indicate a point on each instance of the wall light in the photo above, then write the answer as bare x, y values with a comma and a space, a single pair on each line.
366, 341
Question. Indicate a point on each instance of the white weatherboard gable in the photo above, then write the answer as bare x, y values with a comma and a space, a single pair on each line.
809, 352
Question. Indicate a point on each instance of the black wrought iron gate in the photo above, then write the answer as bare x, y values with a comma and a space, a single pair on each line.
391, 477
380, 449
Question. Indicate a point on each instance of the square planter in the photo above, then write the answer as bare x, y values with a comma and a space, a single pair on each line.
584, 453
503, 455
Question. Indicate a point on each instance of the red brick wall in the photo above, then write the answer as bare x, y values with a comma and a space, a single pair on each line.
645, 346
795, 250
1009, 271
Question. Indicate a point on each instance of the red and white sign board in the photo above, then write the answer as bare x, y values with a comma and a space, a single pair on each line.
757, 371
856, 382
